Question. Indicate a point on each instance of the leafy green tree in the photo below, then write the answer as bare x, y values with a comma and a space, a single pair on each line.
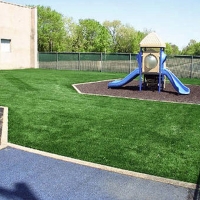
193, 48
51, 30
136, 42
172, 49
71, 30
175, 49
113, 27
197, 48
124, 38
77, 40
91, 36
168, 49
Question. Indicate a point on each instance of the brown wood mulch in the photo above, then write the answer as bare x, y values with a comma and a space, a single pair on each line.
131, 90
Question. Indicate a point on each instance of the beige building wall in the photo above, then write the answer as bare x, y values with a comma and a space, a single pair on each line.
18, 29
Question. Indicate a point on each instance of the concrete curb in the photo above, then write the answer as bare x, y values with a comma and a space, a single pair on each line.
4, 136
107, 168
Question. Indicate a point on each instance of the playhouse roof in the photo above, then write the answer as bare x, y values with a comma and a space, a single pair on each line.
152, 40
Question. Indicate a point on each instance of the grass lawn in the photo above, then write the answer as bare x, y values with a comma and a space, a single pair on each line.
46, 113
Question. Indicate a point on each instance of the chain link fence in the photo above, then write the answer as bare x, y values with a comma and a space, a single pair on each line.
181, 66
184, 66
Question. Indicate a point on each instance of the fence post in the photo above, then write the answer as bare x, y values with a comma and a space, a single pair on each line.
191, 68
101, 62
79, 61
130, 63
57, 60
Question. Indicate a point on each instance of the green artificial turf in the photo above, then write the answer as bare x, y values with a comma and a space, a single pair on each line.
46, 113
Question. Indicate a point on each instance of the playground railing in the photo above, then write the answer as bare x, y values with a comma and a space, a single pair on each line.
181, 66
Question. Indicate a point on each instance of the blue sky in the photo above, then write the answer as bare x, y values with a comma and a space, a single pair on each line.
175, 21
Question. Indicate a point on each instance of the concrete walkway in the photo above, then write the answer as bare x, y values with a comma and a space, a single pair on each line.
27, 174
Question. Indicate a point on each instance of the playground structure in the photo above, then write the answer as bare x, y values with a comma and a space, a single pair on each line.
152, 67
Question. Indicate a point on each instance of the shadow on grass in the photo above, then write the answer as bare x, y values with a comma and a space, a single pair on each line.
21, 191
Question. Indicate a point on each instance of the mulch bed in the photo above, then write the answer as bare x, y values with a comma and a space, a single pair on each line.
131, 90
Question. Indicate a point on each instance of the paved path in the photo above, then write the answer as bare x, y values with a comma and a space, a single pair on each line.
30, 176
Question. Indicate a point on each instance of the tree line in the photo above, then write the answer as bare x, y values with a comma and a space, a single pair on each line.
57, 33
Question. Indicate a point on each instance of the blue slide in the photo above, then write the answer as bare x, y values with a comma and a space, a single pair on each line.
127, 79
177, 84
